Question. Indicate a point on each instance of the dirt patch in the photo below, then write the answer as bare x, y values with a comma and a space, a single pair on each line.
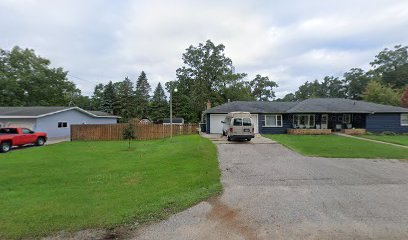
229, 219
121, 232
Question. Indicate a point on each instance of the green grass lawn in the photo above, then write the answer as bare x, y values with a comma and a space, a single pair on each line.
337, 146
397, 139
78, 185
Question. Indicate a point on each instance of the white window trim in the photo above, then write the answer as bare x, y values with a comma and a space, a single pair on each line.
308, 126
62, 124
402, 116
276, 120
343, 120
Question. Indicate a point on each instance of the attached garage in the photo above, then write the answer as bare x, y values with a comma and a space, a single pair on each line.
215, 122
215, 125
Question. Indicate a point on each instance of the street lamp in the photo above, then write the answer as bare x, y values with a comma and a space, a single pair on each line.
171, 112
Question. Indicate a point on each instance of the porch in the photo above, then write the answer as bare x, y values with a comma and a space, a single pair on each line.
326, 123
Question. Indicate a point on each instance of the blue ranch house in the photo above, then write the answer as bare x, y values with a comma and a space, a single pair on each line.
336, 114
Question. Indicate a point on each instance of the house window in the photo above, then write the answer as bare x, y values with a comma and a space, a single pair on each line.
272, 120
404, 119
304, 121
62, 125
346, 118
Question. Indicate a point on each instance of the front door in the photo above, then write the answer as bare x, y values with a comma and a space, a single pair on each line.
324, 121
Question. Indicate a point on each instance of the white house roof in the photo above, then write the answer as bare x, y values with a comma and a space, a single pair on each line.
38, 112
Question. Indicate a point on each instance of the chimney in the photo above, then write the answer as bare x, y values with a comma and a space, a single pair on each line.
208, 104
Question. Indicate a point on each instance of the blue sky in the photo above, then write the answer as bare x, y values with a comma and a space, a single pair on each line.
289, 41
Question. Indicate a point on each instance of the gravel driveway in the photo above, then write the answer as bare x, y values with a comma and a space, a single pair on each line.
271, 192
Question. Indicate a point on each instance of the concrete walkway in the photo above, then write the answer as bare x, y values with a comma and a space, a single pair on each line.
370, 140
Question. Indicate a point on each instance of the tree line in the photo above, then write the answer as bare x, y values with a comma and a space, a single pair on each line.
386, 82
207, 74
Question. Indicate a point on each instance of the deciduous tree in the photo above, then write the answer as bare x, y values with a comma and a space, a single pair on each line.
379, 93
262, 88
27, 79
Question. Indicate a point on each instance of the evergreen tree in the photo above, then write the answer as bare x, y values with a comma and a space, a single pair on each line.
97, 97
126, 99
109, 99
142, 96
159, 104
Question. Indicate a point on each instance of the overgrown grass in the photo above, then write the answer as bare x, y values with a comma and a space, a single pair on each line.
338, 146
78, 185
397, 139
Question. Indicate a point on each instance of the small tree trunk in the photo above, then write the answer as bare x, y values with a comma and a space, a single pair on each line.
129, 144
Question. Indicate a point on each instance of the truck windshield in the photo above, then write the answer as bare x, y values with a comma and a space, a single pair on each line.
237, 121
247, 122
8, 131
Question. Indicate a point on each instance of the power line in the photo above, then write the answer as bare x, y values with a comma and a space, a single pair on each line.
82, 79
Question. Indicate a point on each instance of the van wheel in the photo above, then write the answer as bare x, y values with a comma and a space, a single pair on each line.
248, 139
5, 147
40, 141
228, 138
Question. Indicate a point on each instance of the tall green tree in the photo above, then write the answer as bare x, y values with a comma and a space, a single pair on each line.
330, 87
27, 79
97, 97
262, 88
142, 96
379, 93
126, 99
159, 104
109, 99
355, 82
206, 74
290, 97
391, 66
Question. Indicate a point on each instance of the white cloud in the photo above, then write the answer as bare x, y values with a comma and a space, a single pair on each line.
289, 41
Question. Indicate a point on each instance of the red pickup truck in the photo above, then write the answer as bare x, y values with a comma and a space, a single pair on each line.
20, 136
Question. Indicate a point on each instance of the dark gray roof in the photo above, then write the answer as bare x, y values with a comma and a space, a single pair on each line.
252, 107
313, 105
101, 114
341, 105
35, 112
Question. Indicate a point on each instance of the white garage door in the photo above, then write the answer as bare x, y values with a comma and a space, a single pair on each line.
215, 122
216, 125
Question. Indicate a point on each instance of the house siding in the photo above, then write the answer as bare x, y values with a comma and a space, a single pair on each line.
49, 124
286, 123
29, 123
377, 123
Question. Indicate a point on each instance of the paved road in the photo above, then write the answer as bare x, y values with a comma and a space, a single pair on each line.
271, 192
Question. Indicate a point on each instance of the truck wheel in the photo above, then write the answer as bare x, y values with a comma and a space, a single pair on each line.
40, 141
5, 147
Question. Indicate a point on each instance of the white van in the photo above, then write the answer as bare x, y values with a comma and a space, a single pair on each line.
238, 126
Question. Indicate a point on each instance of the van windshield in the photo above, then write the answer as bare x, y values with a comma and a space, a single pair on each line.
237, 121
247, 122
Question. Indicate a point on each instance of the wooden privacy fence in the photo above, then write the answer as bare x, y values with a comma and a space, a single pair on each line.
115, 131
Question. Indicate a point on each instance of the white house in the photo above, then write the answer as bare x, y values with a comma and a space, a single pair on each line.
55, 121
